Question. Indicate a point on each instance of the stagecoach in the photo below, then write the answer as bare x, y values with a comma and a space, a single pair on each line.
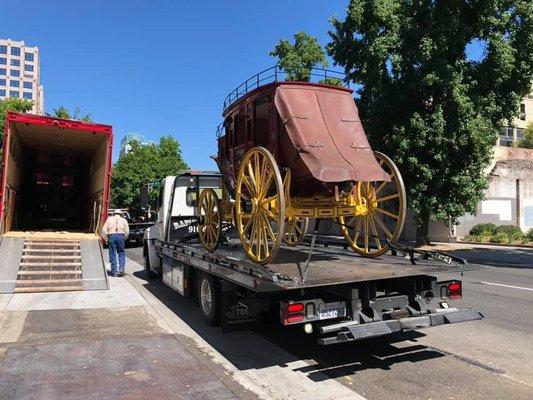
290, 152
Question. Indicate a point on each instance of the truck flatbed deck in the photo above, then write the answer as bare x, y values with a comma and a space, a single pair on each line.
320, 285
328, 266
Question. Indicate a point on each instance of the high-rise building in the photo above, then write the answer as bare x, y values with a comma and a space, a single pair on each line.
125, 146
20, 73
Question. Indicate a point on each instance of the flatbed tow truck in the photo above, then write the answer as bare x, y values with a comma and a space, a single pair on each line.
319, 285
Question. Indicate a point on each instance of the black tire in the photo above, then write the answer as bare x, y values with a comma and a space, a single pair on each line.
210, 310
150, 273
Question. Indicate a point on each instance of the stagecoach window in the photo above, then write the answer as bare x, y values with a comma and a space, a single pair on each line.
261, 124
240, 129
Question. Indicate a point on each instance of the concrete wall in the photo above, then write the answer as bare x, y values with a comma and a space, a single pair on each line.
508, 199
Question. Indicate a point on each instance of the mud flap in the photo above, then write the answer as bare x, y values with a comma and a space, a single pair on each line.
236, 315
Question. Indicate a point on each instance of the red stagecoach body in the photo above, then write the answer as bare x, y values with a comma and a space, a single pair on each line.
313, 129
290, 151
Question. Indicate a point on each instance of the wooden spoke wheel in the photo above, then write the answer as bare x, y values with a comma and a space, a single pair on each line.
295, 230
209, 219
259, 205
367, 234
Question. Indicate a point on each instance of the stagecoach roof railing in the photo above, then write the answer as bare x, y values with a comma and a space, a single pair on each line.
277, 74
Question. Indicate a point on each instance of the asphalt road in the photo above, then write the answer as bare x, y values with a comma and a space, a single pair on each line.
488, 359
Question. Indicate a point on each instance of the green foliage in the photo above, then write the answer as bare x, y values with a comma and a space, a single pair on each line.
65, 113
498, 234
298, 59
484, 229
12, 104
500, 237
144, 164
332, 81
435, 112
513, 232
527, 142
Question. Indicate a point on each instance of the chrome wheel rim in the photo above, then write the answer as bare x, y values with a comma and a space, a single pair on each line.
205, 297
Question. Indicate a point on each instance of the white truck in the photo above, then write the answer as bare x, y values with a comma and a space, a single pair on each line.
329, 291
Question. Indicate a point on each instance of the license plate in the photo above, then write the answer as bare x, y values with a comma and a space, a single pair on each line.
328, 311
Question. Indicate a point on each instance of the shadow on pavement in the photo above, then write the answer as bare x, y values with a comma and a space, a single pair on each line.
274, 345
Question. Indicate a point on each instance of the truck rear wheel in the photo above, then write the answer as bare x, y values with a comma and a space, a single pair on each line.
209, 298
150, 273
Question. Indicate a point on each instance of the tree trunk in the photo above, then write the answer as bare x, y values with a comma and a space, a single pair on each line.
422, 229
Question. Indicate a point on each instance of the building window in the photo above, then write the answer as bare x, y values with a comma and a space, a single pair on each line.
3, 61
15, 51
2, 93
27, 95
12, 93
3, 71
28, 85
520, 134
28, 56
3, 49
15, 72
28, 67
2, 82
14, 83
506, 136
15, 63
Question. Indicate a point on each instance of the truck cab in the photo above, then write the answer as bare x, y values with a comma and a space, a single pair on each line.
176, 210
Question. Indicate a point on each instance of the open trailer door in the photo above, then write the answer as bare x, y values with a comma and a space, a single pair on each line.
54, 200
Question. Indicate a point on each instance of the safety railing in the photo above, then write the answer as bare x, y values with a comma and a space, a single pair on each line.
277, 74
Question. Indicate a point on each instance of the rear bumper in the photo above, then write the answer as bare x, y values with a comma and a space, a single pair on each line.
352, 331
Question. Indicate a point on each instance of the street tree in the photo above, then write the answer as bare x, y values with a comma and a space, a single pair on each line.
64, 113
144, 163
425, 102
12, 104
299, 58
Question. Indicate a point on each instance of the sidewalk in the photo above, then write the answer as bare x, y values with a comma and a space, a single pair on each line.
100, 345
488, 254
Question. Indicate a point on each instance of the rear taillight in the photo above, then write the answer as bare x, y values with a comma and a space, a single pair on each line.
292, 313
295, 307
455, 290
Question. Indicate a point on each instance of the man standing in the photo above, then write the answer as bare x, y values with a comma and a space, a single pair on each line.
115, 232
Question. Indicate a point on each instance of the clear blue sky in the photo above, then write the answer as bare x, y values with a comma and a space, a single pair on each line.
157, 67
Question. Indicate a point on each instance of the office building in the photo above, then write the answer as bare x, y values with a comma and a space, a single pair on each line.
125, 143
20, 73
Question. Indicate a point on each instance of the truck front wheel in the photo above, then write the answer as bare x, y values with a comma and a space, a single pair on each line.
209, 298
150, 274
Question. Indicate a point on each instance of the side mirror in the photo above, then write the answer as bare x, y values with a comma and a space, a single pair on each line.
144, 197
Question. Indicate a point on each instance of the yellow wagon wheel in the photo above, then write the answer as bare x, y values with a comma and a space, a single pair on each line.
386, 208
295, 230
259, 205
209, 219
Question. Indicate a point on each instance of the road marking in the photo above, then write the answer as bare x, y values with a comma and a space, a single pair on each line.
509, 286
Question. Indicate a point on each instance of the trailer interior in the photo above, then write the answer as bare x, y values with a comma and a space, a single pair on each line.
55, 178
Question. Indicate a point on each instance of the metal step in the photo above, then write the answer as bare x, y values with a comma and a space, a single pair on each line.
54, 257
49, 273
26, 250
63, 282
58, 243
38, 289
48, 264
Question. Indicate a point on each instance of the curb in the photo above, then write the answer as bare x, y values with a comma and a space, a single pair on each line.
525, 246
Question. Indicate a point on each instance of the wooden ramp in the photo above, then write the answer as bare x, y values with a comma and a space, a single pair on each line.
49, 265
